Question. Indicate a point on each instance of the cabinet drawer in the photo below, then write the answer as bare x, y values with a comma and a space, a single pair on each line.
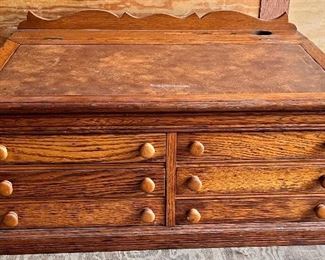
233, 210
79, 183
251, 146
87, 213
82, 148
250, 179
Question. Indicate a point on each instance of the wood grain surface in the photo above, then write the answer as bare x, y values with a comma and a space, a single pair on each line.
83, 213
256, 179
253, 146
232, 210
62, 182
41, 70
80, 148
103, 239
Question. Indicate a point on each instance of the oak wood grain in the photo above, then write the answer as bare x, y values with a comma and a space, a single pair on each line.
253, 179
119, 123
207, 75
171, 178
80, 148
185, 236
83, 213
254, 146
267, 209
66, 182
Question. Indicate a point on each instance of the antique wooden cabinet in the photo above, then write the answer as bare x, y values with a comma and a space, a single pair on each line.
160, 132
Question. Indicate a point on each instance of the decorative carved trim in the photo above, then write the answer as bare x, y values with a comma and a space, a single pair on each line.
96, 19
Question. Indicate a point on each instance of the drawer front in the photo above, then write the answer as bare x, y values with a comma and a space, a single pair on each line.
233, 210
251, 146
79, 183
81, 148
250, 179
87, 213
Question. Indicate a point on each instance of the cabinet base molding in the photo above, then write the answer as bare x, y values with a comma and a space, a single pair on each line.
145, 238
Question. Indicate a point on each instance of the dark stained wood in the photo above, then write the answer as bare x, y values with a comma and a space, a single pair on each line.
271, 9
256, 179
34, 183
95, 19
80, 149
83, 213
253, 146
232, 210
171, 178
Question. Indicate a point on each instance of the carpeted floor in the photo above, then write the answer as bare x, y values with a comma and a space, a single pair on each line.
264, 253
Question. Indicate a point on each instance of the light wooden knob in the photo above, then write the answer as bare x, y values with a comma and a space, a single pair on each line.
194, 183
197, 148
3, 153
320, 211
148, 185
148, 216
193, 216
147, 151
10, 219
6, 188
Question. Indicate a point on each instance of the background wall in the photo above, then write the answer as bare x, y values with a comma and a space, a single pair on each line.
309, 15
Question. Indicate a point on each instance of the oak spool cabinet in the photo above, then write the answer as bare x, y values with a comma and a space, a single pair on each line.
118, 133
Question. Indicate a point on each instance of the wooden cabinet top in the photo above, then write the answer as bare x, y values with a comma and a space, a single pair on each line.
93, 61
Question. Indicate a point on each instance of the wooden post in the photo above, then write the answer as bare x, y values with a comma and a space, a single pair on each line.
271, 9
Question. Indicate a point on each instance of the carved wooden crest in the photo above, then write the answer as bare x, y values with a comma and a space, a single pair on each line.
96, 19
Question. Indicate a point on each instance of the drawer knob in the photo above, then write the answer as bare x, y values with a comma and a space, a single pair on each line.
3, 153
10, 219
197, 148
194, 183
320, 211
148, 216
148, 185
6, 188
147, 151
193, 216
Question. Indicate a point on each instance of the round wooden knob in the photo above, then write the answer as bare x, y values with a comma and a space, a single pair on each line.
194, 183
6, 188
320, 211
148, 185
193, 216
10, 219
147, 216
197, 148
147, 151
3, 153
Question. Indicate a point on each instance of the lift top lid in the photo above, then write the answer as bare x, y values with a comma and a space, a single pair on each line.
93, 61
